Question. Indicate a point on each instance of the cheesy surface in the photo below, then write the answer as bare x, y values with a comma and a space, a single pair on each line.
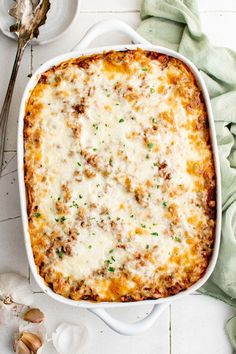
120, 177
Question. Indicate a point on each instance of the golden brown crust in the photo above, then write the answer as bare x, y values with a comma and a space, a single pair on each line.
53, 241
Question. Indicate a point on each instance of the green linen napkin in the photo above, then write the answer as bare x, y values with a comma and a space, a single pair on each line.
175, 24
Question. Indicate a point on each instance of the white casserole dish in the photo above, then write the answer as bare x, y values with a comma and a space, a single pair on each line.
99, 308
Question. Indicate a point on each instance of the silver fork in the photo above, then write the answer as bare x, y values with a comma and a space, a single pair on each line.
29, 15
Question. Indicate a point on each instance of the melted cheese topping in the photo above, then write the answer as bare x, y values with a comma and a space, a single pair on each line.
120, 177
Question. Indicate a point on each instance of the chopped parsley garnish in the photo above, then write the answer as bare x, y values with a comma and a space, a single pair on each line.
95, 125
178, 239
61, 254
155, 234
155, 164
121, 120
80, 196
90, 246
150, 145
107, 92
152, 90
144, 69
109, 261
94, 149
154, 120
117, 218
132, 216
158, 186
62, 219
147, 247
37, 215
59, 198
79, 164
111, 269
74, 204
164, 204
144, 226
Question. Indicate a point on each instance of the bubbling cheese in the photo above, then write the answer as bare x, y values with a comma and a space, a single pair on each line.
120, 177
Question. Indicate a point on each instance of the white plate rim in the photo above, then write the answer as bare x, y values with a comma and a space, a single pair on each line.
36, 41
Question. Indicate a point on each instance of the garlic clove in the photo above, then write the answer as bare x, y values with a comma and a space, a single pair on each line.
74, 338
31, 332
21, 348
34, 316
15, 288
37, 328
31, 340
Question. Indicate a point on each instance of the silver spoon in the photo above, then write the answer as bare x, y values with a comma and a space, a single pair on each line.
29, 15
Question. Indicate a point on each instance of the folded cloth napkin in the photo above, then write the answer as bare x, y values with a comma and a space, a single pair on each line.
175, 24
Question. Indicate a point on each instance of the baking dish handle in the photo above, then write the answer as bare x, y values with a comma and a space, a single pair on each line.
108, 26
130, 329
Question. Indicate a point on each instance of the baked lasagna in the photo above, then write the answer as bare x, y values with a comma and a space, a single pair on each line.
119, 176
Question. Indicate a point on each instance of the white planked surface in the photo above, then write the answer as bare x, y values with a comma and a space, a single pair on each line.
193, 325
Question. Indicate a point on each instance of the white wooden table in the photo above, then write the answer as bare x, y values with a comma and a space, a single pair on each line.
193, 325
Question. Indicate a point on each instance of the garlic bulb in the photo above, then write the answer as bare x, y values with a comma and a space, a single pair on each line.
15, 288
32, 336
70, 338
